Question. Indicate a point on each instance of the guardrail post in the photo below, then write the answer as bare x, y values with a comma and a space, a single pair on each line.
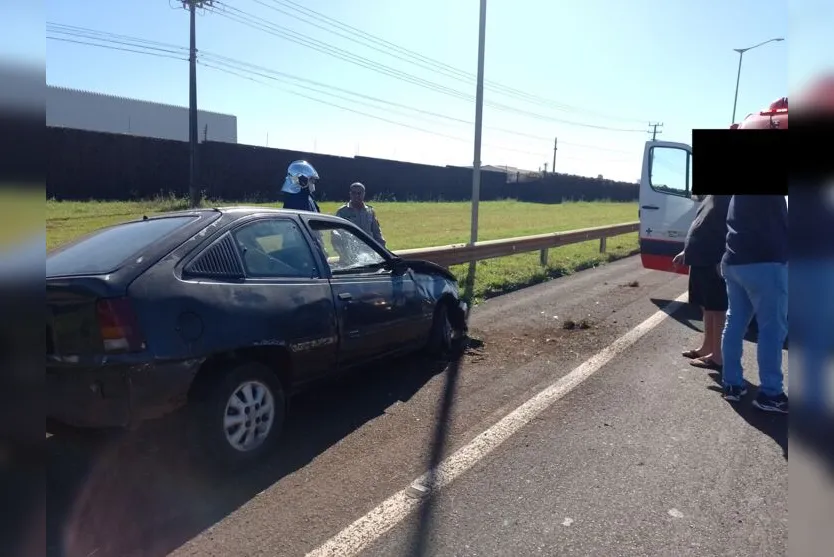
603, 245
543, 257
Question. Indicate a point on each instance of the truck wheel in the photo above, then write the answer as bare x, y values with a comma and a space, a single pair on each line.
442, 332
238, 416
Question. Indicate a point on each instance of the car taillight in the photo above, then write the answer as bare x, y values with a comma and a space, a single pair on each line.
119, 326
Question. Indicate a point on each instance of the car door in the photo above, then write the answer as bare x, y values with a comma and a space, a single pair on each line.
287, 297
667, 207
378, 307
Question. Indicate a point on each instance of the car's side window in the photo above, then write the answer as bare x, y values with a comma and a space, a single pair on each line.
346, 252
671, 171
275, 248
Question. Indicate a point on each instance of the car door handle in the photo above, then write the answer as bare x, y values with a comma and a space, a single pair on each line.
345, 296
650, 207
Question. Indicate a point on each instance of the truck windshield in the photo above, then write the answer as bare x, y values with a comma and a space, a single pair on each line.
106, 251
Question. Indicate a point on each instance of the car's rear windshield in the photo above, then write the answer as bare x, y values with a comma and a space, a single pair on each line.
106, 251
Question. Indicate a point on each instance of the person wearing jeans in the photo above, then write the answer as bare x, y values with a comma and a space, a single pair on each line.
755, 269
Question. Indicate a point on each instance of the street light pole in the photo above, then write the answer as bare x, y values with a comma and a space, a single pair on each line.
479, 112
738, 80
741, 52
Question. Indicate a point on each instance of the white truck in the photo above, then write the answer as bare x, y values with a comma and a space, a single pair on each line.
667, 206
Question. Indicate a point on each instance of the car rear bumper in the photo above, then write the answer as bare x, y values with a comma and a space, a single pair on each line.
117, 395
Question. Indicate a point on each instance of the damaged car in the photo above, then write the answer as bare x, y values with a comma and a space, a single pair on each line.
229, 312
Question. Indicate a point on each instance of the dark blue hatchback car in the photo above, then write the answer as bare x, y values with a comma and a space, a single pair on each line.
229, 312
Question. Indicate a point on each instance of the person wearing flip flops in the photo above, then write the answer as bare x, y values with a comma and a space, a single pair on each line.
702, 252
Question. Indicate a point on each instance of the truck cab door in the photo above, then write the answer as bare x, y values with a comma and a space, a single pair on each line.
667, 207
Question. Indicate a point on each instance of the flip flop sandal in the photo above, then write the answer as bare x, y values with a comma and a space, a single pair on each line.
691, 354
709, 363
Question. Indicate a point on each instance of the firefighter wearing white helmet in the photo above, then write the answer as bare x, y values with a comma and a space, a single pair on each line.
299, 185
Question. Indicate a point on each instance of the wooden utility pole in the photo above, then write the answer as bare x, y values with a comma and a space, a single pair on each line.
193, 134
654, 127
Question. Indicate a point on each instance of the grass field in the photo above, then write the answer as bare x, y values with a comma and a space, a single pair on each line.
416, 225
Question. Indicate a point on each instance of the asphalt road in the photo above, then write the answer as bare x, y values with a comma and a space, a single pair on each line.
642, 458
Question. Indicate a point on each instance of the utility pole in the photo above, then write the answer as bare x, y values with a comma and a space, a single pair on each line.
654, 131
479, 112
193, 134
555, 143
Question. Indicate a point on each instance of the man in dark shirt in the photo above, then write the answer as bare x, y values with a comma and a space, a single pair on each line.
756, 271
702, 251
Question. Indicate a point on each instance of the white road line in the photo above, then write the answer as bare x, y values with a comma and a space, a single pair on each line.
380, 520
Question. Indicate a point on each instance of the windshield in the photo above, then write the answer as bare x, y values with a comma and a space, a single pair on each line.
107, 250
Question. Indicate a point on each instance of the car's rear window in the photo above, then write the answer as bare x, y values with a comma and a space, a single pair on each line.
106, 251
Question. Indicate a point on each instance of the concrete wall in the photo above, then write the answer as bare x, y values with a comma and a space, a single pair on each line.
93, 165
84, 110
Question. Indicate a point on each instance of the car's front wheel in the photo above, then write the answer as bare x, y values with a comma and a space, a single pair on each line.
442, 336
239, 415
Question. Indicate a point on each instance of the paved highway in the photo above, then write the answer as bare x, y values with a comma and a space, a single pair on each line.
606, 443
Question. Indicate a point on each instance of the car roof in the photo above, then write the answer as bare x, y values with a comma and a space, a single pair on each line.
245, 210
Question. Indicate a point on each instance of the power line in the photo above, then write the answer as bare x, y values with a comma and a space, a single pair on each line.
110, 47
242, 75
311, 82
113, 37
369, 64
379, 44
309, 97
254, 22
270, 74
322, 88
361, 113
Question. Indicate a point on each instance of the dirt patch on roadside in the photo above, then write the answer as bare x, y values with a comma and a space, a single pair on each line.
541, 338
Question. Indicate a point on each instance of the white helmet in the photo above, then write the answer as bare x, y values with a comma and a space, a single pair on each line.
300, 174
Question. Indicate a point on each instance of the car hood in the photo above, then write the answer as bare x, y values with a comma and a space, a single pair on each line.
429, 268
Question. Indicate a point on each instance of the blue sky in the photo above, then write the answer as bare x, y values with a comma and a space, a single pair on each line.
596, 62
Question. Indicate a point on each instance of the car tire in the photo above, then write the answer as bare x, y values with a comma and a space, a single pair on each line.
441, 339
238, 416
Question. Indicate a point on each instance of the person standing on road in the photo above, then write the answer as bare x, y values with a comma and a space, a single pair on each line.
756, 271
703, 250
360, 213
299, 185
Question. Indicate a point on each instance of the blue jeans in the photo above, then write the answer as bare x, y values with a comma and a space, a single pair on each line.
760, 289
812, 326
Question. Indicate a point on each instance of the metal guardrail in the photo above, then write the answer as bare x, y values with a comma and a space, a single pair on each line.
457, 254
